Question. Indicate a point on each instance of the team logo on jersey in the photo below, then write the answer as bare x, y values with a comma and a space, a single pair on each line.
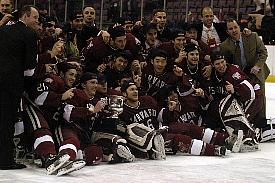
48, 80
236, 76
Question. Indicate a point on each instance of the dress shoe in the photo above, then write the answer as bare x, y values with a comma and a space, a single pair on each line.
12, 166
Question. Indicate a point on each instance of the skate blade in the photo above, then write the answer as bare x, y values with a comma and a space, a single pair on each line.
74, 166
52, 169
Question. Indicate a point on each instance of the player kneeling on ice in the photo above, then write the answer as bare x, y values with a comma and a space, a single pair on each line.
238, 100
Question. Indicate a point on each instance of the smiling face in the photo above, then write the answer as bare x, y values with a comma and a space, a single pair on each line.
89, 15
233, 30
31, 18
193, 57
90, 87
120, 63
70, 77
77, 23
159, 64
207, 17
220, 66
179, 42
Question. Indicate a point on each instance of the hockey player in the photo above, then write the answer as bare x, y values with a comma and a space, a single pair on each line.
156, 76
83, 114
41, 107
237, 99
139, 113
98, 51
190, 138
119, 65
140, 116
192, 88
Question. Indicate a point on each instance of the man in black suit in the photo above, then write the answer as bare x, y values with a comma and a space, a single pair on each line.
210, 33
18, 45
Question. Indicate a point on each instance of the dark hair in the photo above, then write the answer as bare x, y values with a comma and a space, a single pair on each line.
158, 10
64, 67
177, 33
216, 55
26, 10
76, 14
156, 52
149, 26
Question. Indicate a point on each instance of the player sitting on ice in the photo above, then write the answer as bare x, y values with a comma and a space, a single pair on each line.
140, 116
83, 114
237, 99
188, 137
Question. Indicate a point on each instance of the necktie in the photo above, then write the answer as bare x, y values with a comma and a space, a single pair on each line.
242, 57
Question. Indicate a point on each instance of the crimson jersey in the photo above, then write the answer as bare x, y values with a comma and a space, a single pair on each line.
243, 87
146, 113
97, 52
48, 96
152, 84
191, 105
76, 110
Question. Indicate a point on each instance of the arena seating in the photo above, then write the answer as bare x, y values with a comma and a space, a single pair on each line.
176, 8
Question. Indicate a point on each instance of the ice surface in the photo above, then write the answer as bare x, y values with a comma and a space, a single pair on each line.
253, 167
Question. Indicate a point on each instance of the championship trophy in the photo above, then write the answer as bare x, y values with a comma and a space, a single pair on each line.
114, 107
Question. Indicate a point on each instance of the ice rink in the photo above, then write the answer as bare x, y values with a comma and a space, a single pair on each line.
235, 168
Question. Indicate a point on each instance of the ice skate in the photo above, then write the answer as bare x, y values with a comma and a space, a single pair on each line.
249, 145
220, 151
71, 166
55, 162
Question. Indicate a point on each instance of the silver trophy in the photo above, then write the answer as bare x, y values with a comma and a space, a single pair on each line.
115, 105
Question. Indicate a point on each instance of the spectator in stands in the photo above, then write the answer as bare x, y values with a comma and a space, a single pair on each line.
262, 7
18, 45
248, 52
6, 7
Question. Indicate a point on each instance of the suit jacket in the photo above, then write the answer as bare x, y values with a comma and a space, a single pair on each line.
220, 28
18, 52
255, 54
